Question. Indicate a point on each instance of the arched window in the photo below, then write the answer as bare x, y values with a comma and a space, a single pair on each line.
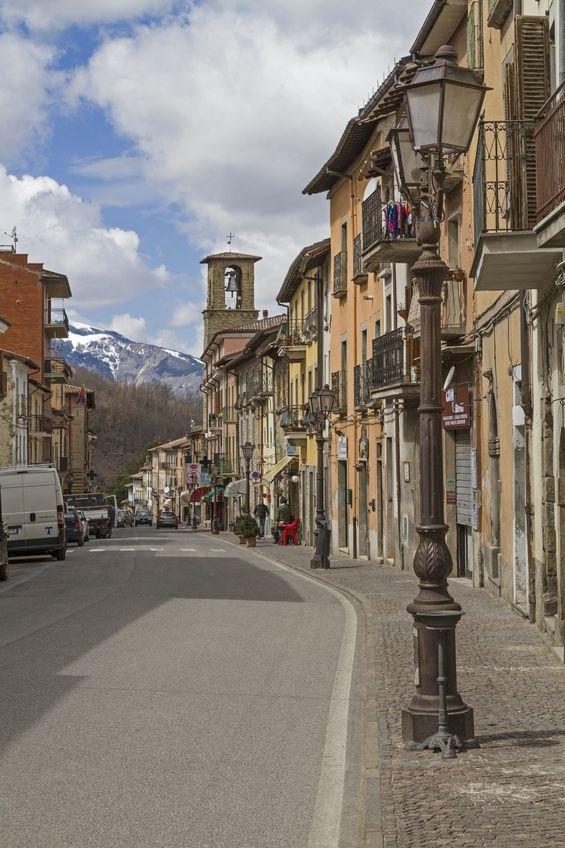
232, 287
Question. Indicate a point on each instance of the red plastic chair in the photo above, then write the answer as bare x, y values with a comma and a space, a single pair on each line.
290, 532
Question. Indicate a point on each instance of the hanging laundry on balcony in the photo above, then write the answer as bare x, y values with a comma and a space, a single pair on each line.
399, 219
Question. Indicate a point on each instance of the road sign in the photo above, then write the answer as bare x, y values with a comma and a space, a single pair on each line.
193, 473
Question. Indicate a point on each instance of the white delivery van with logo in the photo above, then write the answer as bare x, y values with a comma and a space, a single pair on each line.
32, 509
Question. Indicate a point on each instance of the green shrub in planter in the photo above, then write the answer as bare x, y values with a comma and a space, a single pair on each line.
248, 527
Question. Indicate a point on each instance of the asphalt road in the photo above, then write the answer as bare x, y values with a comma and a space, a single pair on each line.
164, 688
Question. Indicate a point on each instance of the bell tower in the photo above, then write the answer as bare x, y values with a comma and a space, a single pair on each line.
231, 292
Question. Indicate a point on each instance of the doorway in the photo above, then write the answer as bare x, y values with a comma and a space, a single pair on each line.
342, 504
380, 505
520, 539
389, 539
363, 515
464, 503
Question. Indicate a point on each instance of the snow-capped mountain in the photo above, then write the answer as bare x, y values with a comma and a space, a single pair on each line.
118, 358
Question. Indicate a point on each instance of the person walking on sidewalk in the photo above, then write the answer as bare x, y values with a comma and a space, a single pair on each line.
284, 516
261, 513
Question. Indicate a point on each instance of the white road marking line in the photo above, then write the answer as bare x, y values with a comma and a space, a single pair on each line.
156, 549
192, 550
218, 550
326, 821
97, 551
121, 550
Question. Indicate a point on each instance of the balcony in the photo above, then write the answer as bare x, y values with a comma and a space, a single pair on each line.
392, 371
262, 387
498, 11
549, 140
293, 344
361, 393
507, 256
291, 421
56, 323
40, 425
453, 308
57, 371
339, 388
214, 421
388, 233
359, 275
340, 274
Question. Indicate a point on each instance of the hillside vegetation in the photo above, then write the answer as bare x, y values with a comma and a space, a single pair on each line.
127, 420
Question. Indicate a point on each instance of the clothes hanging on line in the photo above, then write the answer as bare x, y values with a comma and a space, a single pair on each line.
399, 219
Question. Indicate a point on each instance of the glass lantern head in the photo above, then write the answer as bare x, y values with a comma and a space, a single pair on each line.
443, 103
247, 450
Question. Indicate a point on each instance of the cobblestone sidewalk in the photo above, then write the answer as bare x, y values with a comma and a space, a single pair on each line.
510, 792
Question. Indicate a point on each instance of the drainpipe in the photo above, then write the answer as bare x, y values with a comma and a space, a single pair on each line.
397, 435
561, 42
526, 402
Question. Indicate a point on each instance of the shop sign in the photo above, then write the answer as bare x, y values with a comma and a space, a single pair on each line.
342, 447
451, 490
193, 473
456, 414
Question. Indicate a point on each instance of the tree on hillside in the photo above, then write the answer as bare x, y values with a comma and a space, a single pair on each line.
127, 420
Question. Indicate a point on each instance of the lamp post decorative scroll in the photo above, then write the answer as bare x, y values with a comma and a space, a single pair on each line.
443, 103
321, 404
247, 451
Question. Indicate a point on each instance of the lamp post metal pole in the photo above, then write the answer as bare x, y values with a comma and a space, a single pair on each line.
435, 612
247, 492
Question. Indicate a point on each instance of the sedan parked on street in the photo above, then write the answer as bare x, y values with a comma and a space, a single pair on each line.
142, 517
167, 519
73, 528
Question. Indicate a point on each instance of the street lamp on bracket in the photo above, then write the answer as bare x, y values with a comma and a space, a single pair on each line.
442, 105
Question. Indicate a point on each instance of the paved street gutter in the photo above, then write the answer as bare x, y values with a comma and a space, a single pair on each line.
508, 791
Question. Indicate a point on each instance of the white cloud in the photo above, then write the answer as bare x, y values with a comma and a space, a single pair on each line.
236, 107
186, 314
24, 93
43, 14
104, 264
129, 326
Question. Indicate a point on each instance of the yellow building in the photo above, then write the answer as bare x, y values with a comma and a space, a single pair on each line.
304, 354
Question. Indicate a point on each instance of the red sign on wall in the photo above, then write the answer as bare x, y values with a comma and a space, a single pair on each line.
456, 402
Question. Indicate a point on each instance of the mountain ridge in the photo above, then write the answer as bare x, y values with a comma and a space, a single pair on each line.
113, 356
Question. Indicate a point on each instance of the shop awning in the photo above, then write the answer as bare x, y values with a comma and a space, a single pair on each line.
235, 489
270, 475
196, 494
217, 491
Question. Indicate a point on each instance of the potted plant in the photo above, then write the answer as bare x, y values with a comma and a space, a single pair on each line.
237, 529
249, 530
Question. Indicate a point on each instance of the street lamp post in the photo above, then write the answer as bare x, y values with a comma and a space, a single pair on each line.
443, 103
247, 451
321, 403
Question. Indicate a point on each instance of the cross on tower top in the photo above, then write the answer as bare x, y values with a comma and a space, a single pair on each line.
230, 237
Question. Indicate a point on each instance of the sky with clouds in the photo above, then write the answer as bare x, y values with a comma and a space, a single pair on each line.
137, 133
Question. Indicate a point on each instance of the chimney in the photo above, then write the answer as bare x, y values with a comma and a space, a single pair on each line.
265, 313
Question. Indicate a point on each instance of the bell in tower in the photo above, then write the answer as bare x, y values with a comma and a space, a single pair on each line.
231, 292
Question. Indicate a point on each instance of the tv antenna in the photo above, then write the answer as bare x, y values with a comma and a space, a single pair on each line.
13, 236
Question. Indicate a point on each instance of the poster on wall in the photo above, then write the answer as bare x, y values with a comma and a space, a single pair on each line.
456, 402
342, 447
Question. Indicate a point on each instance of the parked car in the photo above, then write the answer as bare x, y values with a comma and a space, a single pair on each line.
142, 517
167, 519
3, 551
74, 530
32, 507
120, 517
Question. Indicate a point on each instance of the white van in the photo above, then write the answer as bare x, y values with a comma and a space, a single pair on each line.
32, 507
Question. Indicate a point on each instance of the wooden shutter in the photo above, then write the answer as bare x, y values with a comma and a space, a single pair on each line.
532, 90
532, 53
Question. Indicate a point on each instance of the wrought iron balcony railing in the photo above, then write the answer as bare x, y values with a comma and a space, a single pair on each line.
263, 384
294, 333
340, 274
385, 221
361, 388
392, 362
549, 138
504, 178
339, 388
291, 418
359, 275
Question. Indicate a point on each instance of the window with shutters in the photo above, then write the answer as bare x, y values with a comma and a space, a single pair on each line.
475, 52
